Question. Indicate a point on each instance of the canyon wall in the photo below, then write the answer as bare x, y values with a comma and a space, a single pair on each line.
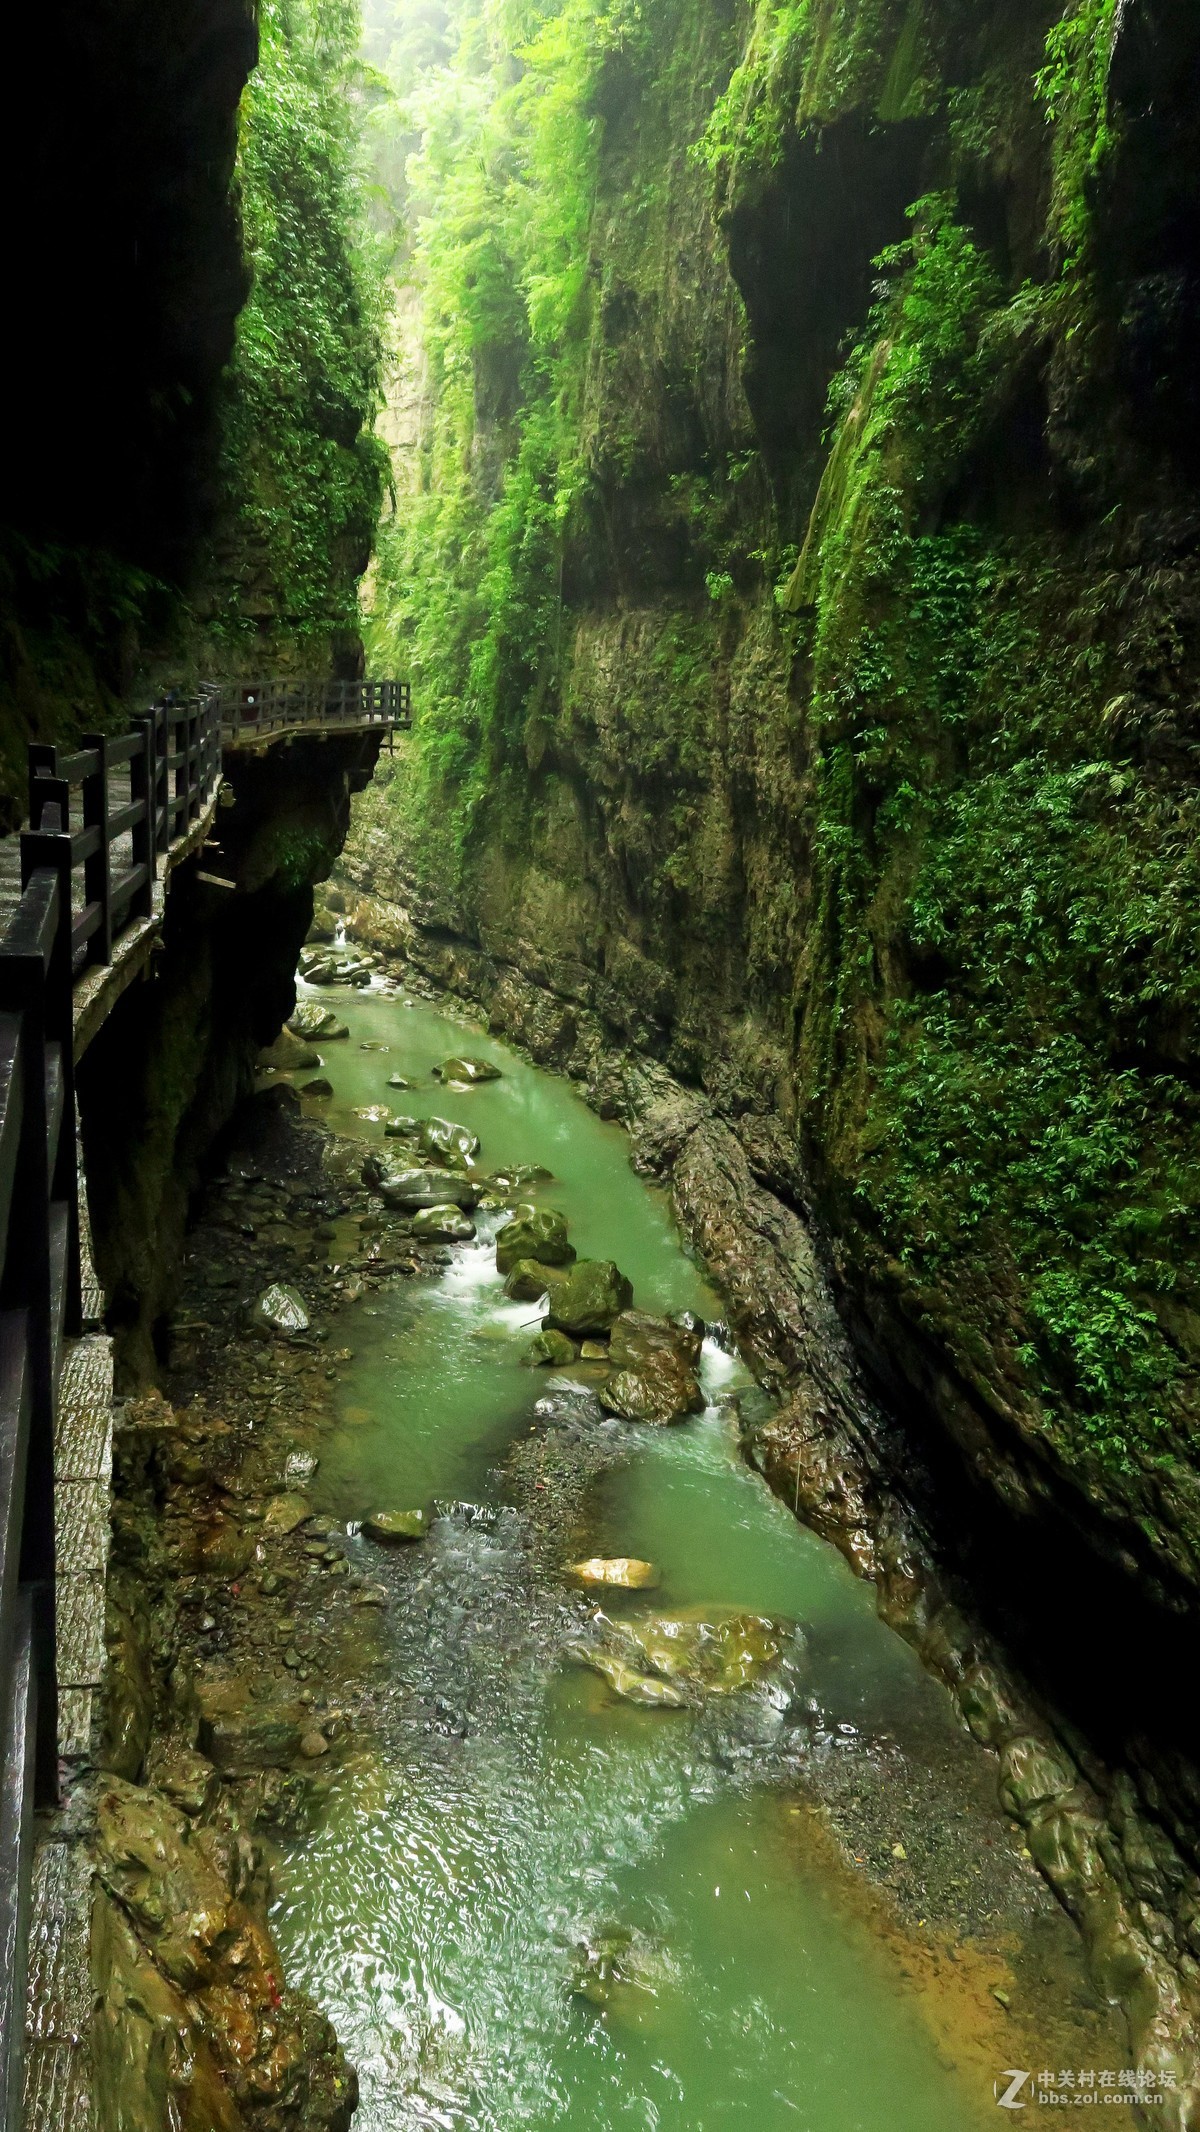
799, 590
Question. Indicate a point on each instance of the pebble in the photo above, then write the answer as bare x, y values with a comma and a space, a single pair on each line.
314, 1744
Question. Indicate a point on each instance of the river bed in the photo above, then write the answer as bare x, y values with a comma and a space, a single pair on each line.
526, 1903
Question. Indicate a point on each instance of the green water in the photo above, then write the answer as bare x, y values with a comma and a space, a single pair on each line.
506, 1810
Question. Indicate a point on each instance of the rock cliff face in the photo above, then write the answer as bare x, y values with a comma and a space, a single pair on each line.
839, 754
164, 1075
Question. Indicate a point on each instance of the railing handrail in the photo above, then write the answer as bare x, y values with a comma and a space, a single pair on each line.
79, 894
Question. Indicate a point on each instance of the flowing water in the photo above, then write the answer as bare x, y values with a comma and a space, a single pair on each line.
509, 1823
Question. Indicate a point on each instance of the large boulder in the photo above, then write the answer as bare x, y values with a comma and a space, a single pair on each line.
652, 1376
443, 1225
409, 1190
590, 1299
533, 1233
467, 1071
441, 1140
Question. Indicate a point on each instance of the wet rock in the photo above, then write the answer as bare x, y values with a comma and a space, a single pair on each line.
151, 1863
442, 1140
279, 1311
402, 1127
652, 1376
593, 1351
241, 1732
410, 1190
551, 1348
152, 2063
313, 1745
188, 1781
397, 1080
518, 1178
624, 1679
467, 1070
1032, 1774
591, 1298
288, 1054
627, 1572
391, 1527
443, 1225
219, 1549
284, 1513
533, 1233
529, 1280
319, 1090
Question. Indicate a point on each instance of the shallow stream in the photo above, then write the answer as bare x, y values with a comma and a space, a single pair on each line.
510, 1823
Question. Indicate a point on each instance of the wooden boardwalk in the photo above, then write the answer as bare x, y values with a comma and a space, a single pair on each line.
81, 902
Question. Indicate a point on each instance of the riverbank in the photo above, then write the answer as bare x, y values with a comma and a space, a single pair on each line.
1114, 1839
300, 1657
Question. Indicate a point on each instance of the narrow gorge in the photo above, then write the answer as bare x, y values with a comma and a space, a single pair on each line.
636, 1290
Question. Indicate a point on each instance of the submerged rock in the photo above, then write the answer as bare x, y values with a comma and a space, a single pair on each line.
320, 1090
625, 1680
627, 1572
391, 1527
533, 1233
529, 1280
718, 1656
240, 1732
553, 1348
397, 1080
467, 1070
279, 1310
443, 1225
591, 1298
652, 1377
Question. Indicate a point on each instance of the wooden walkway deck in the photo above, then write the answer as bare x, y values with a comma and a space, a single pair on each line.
82, 892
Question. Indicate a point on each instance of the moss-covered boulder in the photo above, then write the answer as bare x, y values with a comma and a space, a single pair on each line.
393, 1528
590, 1299
529, 1280
551, 1348
534, 1233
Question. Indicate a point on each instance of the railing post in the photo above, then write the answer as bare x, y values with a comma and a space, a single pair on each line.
143, 787
97, 867
43, 762
162, 777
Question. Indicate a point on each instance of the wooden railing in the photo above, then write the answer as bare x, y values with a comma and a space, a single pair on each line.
39, 1306
101, 818
257, 708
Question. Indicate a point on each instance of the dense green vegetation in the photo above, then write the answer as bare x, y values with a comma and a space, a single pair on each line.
302, 472
908, 751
